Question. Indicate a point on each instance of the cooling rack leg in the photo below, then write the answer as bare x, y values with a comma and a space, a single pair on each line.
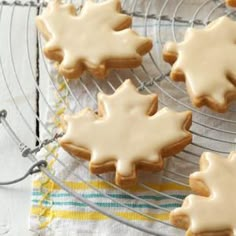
25, 151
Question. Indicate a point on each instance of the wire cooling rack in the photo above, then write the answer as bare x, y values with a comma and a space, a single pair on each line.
160, 19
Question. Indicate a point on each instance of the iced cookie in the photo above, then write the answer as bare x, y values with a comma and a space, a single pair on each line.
213, 210
96, 39
205, 60
127, 134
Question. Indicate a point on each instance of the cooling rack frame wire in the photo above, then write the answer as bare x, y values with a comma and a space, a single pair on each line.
144, 85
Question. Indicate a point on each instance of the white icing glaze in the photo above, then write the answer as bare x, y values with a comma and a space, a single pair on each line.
207, 56
125, 132
90, 37
217, 212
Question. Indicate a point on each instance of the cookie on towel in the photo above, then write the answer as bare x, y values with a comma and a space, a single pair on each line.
127, 134
213, 210
205, 60
96, 39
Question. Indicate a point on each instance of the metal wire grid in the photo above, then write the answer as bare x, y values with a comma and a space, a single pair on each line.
163, 20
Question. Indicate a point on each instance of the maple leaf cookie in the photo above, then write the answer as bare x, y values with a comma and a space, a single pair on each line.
205, 60
127, 134
213, 211
97, 39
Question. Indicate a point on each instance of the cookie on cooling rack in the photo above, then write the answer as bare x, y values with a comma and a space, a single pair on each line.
213, 210
97, 39
127, 134
205, 60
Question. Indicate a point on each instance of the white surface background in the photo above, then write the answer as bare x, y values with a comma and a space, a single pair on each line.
15, 199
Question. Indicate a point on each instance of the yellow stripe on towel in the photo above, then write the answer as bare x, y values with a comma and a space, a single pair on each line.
103, 185
78, 215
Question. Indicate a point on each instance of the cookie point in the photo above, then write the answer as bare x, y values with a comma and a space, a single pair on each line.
194, 175
232, 155
171, 47
179, 218
153, 96
204, 156
127, 83
101, 96
187, 113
